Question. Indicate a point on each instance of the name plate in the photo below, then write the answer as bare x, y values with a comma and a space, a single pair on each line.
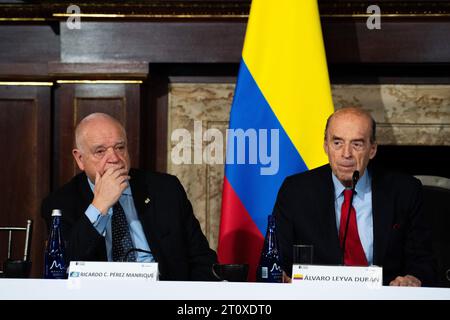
347, 276
143, 271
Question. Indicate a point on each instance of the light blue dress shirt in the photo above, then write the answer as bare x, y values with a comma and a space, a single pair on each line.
103, 225
362, 202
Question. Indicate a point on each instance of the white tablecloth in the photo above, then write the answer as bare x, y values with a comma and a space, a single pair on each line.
31, 289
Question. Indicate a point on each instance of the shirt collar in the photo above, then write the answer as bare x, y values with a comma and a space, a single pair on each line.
126, 192
362, 187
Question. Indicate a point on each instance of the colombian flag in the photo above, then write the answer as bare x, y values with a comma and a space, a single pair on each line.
297, 276
283, 96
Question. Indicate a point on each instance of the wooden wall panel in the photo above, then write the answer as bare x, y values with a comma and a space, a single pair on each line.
397, 42
346, 41
158, 42
29, 43
24, 137
74, 101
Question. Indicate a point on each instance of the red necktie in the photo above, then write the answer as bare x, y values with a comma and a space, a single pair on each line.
354, 253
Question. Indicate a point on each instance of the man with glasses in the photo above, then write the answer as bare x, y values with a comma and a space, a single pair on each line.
378, 222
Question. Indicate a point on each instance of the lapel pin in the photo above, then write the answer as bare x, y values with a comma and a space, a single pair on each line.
147, 200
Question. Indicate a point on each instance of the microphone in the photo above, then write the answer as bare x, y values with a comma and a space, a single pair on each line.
125, 258
355, 178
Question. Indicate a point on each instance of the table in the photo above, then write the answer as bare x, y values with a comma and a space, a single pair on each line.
42, 289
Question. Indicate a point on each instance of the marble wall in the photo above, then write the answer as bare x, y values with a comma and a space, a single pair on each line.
405, 114
208, 105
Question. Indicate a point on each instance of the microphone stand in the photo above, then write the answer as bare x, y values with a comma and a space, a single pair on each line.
125, 259
355, 178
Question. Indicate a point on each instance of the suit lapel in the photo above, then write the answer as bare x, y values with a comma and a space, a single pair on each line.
144, 202
382, 215
85, 190
328, 218
141, 198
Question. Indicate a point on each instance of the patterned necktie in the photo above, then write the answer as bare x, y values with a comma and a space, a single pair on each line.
121, 237
354, 253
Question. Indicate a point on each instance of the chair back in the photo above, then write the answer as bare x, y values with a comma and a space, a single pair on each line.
436, 205
17, 268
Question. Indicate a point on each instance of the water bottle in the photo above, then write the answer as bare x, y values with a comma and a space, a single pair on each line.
55, 257
269, 268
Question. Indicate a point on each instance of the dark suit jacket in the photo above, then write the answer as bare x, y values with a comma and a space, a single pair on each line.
305, 214
172, 231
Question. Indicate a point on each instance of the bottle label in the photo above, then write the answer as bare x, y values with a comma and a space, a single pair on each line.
275, 268
264, 272
276, 273
55, 267
270, 273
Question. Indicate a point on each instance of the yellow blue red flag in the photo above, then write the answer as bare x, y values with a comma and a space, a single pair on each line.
282, 100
